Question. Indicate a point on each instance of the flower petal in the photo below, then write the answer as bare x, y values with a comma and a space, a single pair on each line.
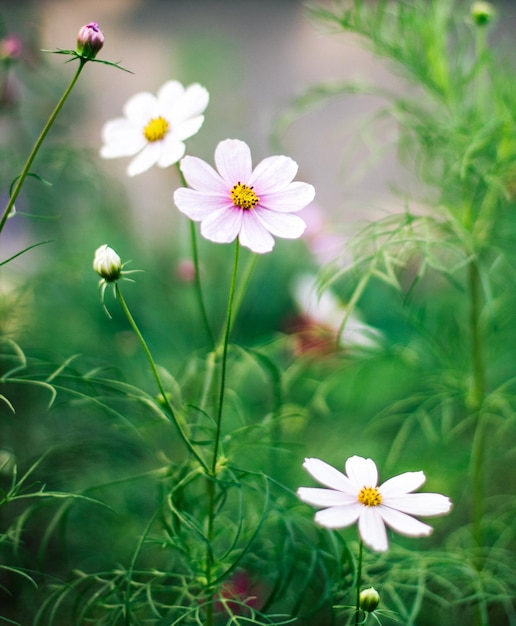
372, 529
192, 102
329, 476
141, 108
148, 157
419, 503
187, 128
361, 472
233, 161
273, 174
338, 516
201, 176
404, 524
172, 151
168, 95
404, 483
293, 198
121, 138
281, 224
198, 205
254, 235
325, 497
222, 226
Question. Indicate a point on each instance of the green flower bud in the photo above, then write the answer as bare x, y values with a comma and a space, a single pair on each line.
482, 13
90, 40
369, 599
107, 263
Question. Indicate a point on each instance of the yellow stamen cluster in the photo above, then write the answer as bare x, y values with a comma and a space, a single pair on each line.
370, 496
244, 196
156, 129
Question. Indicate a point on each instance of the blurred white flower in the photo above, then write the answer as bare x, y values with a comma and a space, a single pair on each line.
355, 497
327, 311
155, 127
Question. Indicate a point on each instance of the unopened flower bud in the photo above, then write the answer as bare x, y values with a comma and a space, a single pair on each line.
90, 40
107, 263
369, 599
482, 13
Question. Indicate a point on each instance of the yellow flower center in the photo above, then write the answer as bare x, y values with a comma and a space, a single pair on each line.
370, 496
244, 196
156, 129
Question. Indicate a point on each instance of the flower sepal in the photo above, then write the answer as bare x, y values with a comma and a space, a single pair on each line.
84, 59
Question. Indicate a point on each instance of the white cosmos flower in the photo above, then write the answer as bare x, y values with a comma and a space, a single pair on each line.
155, 127
355, 497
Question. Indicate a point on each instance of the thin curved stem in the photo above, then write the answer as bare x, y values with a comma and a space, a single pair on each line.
21, 178
182, 434
197, 277
359, 582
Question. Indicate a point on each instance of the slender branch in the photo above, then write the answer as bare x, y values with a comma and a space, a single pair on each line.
21, 178
157, 377
359, 582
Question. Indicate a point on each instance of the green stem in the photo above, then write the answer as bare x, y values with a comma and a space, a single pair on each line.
21, 178
476, 399
211, 485
229, 319
359, 582
182, 434
197, 278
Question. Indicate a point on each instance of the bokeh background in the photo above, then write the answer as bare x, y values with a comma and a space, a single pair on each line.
255, 58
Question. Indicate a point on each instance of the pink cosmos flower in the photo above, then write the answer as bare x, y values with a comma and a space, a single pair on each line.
355, 497
239, 201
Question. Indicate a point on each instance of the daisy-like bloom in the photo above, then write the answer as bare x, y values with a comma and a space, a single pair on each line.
239, 201
155, 127
356, 497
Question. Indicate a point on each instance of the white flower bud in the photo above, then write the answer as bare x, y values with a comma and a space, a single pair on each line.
369, 599
107, 263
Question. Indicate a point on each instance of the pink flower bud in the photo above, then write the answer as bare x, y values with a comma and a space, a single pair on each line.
10, 47
90, 40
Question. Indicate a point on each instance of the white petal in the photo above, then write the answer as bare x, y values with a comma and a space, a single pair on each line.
191, 103
171, 151
361, 472
145, 160
233, 160
404, 483
198, 205
419, 503
142, 108
201, 176
293, 198
324, 497
329, 476
338, 516
254, 235
186, 129
168, 94
372, 529
121, 138
404, 524
273, 173
281, 224
222, 226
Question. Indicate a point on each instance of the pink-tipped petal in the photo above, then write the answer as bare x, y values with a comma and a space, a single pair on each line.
293, 198
254, 235
233, 161
282, 225
273, 174
222, 226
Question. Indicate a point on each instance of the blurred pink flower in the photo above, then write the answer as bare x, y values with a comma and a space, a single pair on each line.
355, 497
239, 201
10, 47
